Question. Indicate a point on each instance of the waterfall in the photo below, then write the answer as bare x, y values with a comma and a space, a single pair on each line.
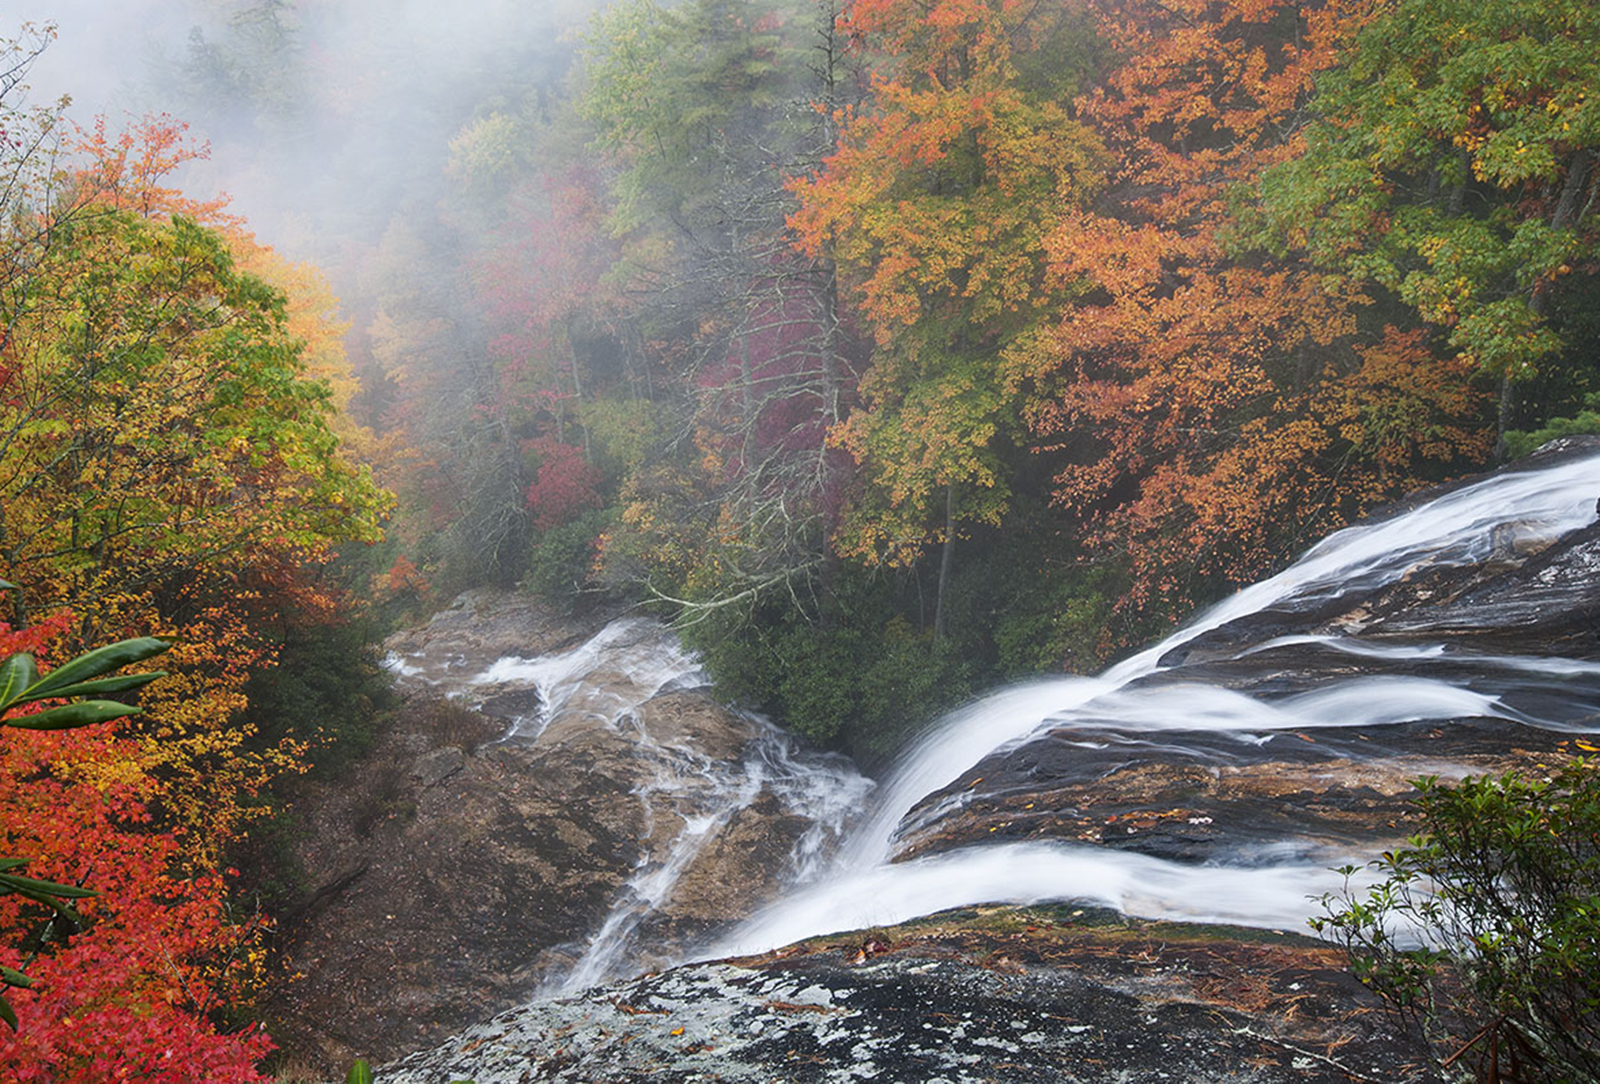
841, 871
639, 661
862, 888
687, 795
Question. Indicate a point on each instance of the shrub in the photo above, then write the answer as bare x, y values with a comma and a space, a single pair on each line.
1485, 928
1520, 443
560, 565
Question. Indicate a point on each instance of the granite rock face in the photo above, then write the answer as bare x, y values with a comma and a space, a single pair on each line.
456, 870
1047, 995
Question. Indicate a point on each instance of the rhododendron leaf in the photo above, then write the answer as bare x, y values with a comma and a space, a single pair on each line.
90, 688
71, 716
27, 886
99, 661
16, 674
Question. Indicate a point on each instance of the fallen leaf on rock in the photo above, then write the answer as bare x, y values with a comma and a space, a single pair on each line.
790, 1006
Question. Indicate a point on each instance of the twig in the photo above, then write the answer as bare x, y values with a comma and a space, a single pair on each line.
1302, 1051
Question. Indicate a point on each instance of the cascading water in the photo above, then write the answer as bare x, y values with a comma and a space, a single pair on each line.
822, 791
1454, 529
687, 795
632, 652
1512, 509
840, 866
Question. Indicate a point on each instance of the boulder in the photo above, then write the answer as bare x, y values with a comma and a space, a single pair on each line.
1049, 995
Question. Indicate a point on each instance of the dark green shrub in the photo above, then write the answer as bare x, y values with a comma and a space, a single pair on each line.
561, 561
1502, 890
1587, 420
847, 669
327, 689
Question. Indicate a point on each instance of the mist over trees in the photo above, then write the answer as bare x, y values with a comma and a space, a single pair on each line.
891, 348
965, 340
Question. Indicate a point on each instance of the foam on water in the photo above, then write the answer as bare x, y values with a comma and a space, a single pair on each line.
1533, 664
962, 739
705, 794
639, 658
694, 796
1460, 527
1272, 897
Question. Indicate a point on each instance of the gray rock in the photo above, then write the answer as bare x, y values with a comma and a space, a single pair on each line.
1043, 995
435, 767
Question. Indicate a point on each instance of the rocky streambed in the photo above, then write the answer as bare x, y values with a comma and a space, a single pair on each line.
612, 819
558, 801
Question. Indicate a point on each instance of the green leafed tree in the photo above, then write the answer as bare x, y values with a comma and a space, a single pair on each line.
1453, 162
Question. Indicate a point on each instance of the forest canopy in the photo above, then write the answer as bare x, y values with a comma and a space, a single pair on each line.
889, 348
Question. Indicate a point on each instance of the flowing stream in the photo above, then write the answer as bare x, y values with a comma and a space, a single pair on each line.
862, 888
840, 868
687, 795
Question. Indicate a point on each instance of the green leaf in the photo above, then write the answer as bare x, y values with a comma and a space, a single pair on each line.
31, 888
89, 688
7, 1013
64, 910
100, 661
12, 977
71, 716
360, 1073
16, 674
12, 863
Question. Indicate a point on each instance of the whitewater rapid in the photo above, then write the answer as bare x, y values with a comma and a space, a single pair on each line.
841, 871
863, 888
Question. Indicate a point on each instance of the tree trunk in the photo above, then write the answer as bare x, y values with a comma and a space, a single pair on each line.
1566, 210
945, 561
1458, 192
577, 389
1504, 418
1572, 191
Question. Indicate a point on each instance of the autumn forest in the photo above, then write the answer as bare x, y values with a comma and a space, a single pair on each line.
889, 348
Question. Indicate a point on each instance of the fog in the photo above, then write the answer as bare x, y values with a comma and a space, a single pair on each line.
324, 117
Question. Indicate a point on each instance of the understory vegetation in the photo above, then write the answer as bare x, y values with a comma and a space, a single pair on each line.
1485, 928
889, 348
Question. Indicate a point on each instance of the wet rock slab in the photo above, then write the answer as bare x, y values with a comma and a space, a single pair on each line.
451, 873
1524, 590
1511, 641
1200, 796
477, 628
1015, 995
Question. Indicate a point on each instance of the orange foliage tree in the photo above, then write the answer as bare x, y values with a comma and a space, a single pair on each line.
168, 464
935, 207
1207, 409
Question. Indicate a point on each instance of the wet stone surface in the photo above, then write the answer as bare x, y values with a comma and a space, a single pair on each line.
1203, 796
1015, 995
454, 872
